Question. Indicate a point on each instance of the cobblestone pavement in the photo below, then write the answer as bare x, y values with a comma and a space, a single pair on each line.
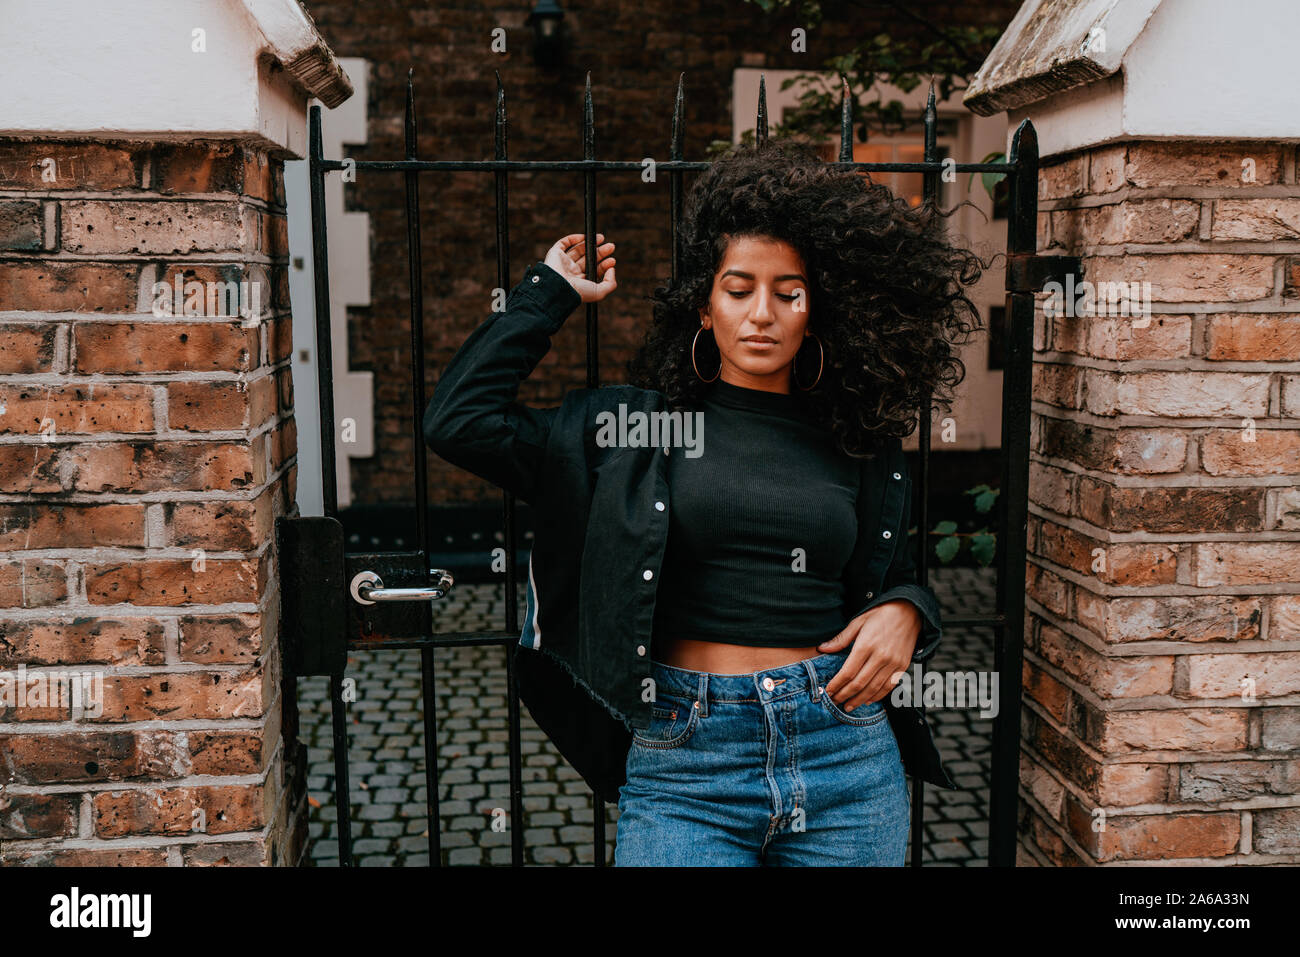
387, 768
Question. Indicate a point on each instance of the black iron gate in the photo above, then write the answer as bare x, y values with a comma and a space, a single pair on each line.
336, 600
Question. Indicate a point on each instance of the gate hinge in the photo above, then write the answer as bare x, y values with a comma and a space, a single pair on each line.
1030, 272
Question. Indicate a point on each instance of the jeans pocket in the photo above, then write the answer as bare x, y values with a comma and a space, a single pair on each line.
672, 722
864, 715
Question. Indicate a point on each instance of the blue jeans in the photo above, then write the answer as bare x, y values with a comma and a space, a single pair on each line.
762, 769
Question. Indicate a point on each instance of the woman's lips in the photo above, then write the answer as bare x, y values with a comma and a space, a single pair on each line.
762, 344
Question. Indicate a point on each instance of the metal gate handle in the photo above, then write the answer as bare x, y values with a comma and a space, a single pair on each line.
368, 588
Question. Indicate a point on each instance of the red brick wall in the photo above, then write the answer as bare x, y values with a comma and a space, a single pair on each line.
143, 459
1164, 528
634, 53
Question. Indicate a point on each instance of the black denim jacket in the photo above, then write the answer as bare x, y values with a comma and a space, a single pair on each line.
601, 525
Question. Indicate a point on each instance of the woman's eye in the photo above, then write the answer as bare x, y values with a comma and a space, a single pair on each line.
740, 294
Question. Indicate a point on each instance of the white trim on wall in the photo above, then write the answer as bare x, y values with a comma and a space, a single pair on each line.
146, 70
349, 271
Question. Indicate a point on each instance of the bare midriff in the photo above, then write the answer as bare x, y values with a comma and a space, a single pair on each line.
720, 658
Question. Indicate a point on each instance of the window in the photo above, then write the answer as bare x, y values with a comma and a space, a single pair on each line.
903, 148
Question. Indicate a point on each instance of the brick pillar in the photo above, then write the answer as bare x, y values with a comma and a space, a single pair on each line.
1161, 680
144, 458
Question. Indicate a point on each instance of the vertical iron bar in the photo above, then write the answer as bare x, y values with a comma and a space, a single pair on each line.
593, 358
329, 482
921, 485
760, 129
589, 225
428, 688
342, 794
675, 177
432, 800
514, 749
846, 121
422, 531
1022, 240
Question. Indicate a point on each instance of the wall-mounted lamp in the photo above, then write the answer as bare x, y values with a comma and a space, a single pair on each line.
548, 32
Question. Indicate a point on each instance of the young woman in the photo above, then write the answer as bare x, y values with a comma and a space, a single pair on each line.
812, 313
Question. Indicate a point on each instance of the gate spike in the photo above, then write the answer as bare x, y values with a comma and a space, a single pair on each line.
500, 122
679, 116
931, 115
930, 181
675, 177
588, 123
760, 133
1023, 142
846, 121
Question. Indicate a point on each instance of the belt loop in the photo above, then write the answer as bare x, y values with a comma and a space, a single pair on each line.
702, 695
813, 681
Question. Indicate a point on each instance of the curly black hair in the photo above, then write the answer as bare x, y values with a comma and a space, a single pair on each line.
886, 294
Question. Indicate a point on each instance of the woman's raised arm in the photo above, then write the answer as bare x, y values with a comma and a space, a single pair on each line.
473, 419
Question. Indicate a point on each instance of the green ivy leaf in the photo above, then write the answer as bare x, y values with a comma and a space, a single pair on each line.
982, 547
989, 180
945, 528
908, 62
985, 498
947, 548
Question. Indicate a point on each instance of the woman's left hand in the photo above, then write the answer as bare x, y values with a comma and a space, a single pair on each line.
883, 640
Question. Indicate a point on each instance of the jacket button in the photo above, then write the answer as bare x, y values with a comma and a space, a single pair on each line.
537, 279
640, 650
898, 475
887, 534
659, 506
870, 595
647, 574
665, 450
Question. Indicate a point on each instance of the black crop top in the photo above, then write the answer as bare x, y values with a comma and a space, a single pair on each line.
762, 523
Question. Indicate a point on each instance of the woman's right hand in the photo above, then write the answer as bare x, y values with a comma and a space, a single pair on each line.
568, 257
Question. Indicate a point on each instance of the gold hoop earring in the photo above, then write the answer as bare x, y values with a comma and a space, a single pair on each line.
693, 364
821, 363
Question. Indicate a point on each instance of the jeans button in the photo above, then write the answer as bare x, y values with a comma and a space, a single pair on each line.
768, 684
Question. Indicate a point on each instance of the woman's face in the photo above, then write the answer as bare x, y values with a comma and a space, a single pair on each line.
758, 311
